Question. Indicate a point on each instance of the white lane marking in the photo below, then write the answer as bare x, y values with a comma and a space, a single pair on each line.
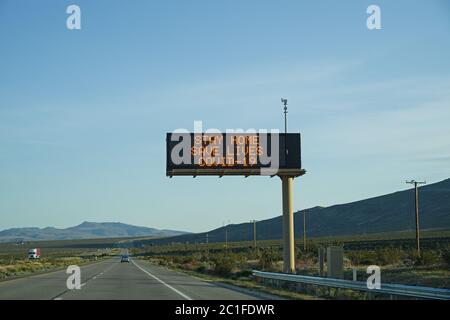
158, 279
84, 283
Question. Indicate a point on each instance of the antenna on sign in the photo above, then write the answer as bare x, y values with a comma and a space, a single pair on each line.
284, 101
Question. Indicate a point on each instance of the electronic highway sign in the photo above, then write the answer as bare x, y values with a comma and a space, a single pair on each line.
222, 154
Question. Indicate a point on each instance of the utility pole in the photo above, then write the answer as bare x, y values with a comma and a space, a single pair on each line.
304, 230
226, 235
254, 235
416, 192
226, 240
207, 245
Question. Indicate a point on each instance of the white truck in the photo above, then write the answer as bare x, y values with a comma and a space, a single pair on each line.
34, 253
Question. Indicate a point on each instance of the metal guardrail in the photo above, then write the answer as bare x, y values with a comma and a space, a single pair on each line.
388, 289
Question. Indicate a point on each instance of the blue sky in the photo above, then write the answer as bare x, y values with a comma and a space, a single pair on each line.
83, 113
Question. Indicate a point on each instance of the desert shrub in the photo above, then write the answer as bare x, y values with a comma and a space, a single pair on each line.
188, 259
354, 257
177, 260
362, 257
389, 256
202, 268
224, 264
252, 254
189, 266
380, 257
244, 273
268, 257
162, 262
426, 258
446, 256
311, 247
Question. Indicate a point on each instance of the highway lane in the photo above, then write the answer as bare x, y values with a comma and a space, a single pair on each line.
114, 280
50, 285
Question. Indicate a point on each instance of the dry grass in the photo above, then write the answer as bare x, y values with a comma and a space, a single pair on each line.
21, 267
54, 255
421, 276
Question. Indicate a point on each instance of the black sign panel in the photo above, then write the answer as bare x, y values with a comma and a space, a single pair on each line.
192, 154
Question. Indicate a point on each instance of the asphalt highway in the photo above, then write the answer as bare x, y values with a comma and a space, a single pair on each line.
111, 279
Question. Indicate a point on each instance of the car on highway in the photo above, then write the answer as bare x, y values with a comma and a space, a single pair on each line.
125, 259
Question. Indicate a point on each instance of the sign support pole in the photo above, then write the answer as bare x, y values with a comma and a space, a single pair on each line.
288, 225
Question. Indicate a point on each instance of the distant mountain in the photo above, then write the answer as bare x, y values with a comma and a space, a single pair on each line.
86, 230
389, 213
